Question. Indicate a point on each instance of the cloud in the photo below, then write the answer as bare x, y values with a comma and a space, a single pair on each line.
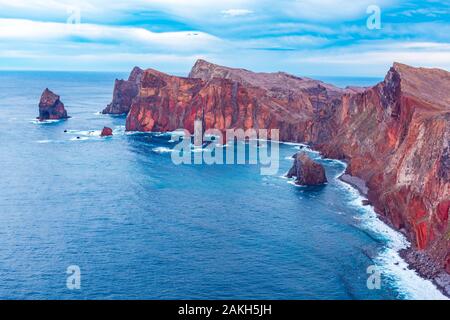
194, 10
329, 10
236, 12
300, 35
375, 57
27, 31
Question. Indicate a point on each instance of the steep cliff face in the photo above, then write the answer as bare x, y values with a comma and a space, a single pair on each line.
303, 109
395, 135
124, 93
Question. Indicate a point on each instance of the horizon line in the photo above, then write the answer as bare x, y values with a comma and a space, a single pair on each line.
182, 74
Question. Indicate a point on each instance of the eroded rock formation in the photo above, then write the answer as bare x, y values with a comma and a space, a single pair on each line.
307, 171
303, 109
394, 135
124, 93
51, 107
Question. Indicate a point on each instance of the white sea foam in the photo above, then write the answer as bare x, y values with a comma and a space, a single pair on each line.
296, 144
119, 130
197, 149
162, 150
161, 134
292, 182
44, 141
391, 265
37, 121
177, 133
132, 133
86, 133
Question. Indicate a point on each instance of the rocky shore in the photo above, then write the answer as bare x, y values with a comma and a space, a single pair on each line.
419, 261
394, 136
355, 182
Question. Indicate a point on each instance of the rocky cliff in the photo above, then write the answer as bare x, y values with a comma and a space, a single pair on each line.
303, 109
51, 107
124, 93
394, 135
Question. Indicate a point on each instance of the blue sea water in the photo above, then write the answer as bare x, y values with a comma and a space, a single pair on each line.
139, 226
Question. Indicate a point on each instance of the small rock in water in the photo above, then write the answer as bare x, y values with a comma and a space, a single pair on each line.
366, 202
106, 132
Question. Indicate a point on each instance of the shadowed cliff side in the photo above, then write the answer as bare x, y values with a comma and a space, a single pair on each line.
394, 135
302, 109
124, 93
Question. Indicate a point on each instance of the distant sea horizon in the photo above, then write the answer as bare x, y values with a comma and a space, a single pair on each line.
336, 80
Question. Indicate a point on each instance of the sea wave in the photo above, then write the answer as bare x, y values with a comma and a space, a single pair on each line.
292, 182
86, 133
408, 281
43, 122
162, 150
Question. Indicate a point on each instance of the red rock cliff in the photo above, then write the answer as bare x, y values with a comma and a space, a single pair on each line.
395, 135
124, 93
303, 109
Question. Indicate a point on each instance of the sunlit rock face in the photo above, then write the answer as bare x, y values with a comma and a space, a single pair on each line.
302, 109
394, 135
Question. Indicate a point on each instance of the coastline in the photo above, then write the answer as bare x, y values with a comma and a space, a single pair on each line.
416, 260
422, 264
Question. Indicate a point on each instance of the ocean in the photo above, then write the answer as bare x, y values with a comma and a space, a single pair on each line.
140, 227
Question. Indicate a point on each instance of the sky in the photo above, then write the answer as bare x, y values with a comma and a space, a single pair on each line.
304, 37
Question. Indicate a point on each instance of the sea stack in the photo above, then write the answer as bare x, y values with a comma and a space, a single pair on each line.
307, 172
51, 107
106, 132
